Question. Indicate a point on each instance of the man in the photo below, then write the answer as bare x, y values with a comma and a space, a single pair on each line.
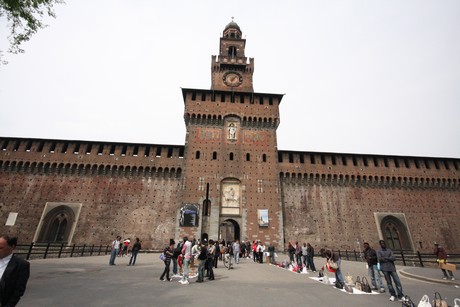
236, 251
387, 266
114, 251
187, 252
136, 247
14, 272
310, 255
298, 253
371, 257
441, 258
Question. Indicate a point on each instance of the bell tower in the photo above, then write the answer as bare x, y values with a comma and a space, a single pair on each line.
230, 167
231, 70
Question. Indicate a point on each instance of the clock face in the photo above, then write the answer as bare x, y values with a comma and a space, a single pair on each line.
232, 79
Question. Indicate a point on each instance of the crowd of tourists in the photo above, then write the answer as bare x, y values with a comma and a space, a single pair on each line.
195, 258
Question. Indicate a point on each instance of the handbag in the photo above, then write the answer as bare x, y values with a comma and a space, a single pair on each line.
349, 279
378, 266
348, 288
424, 302
330, 268
407, 302
333, 265
457, 302
162, 257
438, 301
358, 284
365, 285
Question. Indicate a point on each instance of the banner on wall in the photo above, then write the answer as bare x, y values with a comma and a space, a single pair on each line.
189, 215
262, 217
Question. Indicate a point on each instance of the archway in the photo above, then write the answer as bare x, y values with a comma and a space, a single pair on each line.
57, 225
229, 230
395, 233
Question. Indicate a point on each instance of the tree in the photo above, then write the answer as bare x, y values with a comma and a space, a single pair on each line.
24, 19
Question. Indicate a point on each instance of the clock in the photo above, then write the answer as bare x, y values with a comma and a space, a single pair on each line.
232, 79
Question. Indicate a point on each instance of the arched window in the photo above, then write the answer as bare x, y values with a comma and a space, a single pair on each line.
232, 51
197, 155
248, 157
214, 155
231, 156
264, 157
57, 225
395, 233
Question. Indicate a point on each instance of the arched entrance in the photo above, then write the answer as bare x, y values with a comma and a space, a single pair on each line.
395, 233
57, 225
229, 230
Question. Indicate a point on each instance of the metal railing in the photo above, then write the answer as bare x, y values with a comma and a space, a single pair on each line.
406, 258
56, 250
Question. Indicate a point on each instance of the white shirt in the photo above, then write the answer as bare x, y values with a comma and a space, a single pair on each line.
4, 263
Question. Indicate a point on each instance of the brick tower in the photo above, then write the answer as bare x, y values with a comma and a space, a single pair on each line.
230, 162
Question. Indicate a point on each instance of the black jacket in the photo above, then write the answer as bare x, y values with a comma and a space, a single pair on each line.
14, 281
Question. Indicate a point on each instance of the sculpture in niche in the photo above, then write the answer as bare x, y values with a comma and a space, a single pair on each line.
232, 131
230, 196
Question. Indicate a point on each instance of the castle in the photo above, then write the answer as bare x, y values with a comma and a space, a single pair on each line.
229, 181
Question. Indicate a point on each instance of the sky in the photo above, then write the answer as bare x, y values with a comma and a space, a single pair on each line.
365, 77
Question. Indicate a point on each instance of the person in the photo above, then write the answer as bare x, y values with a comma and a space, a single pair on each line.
216, 253
229, 254
176, 254
304, 254
260, 252
298, 253
168, 252
271, 253
126, 247
387, 266
254, 251
441, 258
291, 252
187, 255
236, 251
371, 257
202, 259
310, 255
114, 251
333, 257
210, 261
136, 248
14, 272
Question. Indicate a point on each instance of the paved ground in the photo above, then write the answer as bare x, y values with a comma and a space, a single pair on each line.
90, 281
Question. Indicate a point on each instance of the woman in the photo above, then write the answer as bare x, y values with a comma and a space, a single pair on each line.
291, 252
333, 260
202, 258
168, 252
210, 261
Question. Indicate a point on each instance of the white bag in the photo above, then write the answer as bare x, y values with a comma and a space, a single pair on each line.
457, 302
424, 302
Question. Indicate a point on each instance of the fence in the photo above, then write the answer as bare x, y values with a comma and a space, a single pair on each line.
53, 250
405, 258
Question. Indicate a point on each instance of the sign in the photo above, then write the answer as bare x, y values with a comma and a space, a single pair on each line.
262, 217
189, 215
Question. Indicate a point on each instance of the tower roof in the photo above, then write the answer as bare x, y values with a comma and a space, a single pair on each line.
233, 25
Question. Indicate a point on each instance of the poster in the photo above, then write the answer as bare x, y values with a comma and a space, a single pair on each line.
262, 217
189, 215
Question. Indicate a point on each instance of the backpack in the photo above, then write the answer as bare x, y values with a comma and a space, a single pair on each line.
230, 249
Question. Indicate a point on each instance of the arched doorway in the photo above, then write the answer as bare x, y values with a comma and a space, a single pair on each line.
57, 225
395, 233
229, 230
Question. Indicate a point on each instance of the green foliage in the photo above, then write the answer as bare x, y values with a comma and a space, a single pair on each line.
25, 19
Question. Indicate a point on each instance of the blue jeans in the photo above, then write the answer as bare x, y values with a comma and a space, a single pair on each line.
374, 274
201, 267
186, 266
311, 264
174, 261
237, 257
113, 255
388, 277
338, 272
133, 258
